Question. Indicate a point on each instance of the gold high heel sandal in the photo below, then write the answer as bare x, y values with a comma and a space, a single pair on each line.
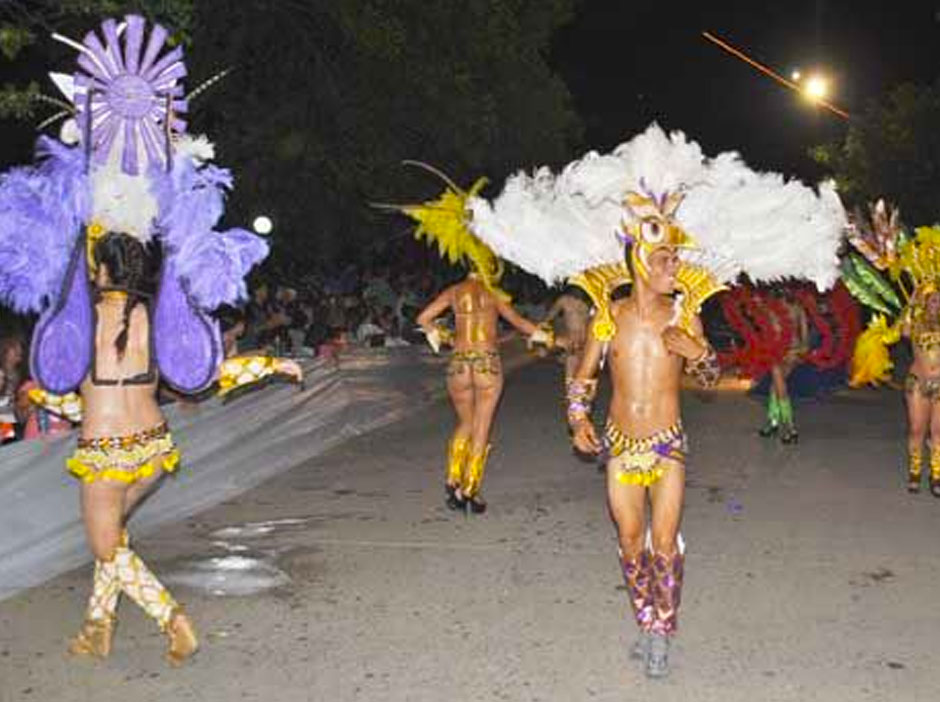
93, 639
182, 635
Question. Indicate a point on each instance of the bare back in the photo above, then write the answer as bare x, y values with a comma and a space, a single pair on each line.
645, 375
120, 392
475, 316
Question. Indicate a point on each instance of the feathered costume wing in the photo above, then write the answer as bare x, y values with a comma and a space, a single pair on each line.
137, 172
736, 219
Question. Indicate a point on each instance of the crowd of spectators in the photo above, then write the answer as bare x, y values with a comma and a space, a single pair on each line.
314, 314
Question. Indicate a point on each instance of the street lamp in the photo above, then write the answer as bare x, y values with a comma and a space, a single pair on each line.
816, 88
263, 225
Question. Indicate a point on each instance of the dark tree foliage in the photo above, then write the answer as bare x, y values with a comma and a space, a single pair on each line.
892, 150
325, 98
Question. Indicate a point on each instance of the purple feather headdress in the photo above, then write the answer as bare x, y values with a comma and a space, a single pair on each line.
134, 89
42, 209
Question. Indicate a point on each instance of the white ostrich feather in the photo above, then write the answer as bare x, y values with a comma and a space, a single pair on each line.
741, 220
199, 148
120, 202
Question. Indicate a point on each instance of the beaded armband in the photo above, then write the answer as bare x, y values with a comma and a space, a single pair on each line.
705, 369
580, 394
68, 406
245, 370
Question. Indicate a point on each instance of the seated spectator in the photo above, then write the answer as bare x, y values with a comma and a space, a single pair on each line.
12, 354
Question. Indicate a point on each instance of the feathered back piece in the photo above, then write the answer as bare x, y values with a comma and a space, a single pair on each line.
759, 223
894, 275
126, 165
444, 222
660, 190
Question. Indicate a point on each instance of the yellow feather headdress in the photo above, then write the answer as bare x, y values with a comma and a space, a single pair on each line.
443, 221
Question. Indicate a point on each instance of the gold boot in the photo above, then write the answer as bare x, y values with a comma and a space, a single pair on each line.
457, 453
914, 459
934, 471
182, 635
473, 480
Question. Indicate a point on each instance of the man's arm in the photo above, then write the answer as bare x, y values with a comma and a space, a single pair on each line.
581, 391
508, 312
700, 359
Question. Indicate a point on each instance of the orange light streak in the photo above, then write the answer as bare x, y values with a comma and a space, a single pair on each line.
769, 72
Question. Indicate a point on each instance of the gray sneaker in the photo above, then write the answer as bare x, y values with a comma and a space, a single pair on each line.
657, 663
641, 647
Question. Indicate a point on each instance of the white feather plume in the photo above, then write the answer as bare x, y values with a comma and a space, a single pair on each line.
199, 148
121, 202
741, 220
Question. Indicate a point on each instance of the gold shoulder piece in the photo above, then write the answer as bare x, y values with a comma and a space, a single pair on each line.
696, 284
599, 282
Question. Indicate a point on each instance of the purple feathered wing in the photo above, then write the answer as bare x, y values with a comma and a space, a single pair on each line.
61, 351
187, 342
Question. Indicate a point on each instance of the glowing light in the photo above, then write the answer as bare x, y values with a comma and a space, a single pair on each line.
816, 88
792, 85
263, 225
796, 75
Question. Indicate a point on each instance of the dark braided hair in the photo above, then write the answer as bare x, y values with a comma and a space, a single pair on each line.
126, 261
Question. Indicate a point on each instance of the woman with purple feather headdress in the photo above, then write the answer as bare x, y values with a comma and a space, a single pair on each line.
78, 234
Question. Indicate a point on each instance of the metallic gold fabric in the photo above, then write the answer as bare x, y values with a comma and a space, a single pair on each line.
457, 453
928, 388
643, 461
473, 477
480, 362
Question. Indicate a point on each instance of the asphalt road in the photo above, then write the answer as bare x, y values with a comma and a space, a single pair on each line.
811, 574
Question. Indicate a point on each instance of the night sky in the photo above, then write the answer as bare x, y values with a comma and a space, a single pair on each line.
628, 63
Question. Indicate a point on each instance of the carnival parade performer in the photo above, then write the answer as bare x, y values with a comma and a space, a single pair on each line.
898, 277
474, 373
686, 231
80, 231
575, 315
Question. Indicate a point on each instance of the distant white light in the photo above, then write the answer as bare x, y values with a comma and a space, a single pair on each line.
816, 88
263, 225
796, 75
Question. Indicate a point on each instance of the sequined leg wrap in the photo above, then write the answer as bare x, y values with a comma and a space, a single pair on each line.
473, 476
935, 471
142, 586
914, 460
667, 572
457, 453
637, 573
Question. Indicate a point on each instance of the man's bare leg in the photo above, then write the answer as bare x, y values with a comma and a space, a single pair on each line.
666, 498
627, 505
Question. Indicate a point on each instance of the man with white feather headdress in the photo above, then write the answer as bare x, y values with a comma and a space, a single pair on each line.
677, 225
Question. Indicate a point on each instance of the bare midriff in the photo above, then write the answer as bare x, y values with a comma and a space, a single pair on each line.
113, 408
646, 376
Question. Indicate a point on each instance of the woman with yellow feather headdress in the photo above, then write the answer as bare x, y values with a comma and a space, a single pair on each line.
913, 265
474, 374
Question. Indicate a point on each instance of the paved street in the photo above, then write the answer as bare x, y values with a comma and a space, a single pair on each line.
811, 575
